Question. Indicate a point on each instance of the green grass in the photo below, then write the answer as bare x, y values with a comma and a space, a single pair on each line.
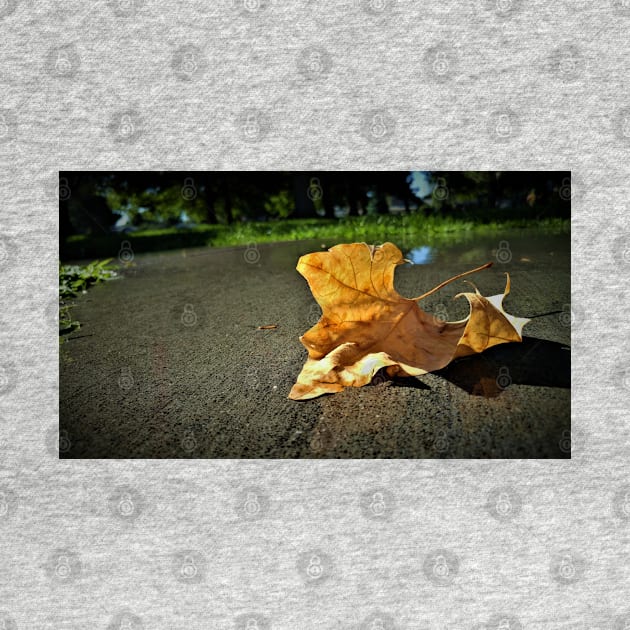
414, 227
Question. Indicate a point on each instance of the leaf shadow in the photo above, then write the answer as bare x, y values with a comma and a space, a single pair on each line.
537, 362
413, 383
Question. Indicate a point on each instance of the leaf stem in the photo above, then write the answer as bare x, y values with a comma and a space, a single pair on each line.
457, 277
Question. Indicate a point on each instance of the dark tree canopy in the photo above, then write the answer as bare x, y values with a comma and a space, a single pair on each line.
98, 203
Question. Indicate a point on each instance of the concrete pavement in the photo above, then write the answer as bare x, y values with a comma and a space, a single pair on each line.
169, 363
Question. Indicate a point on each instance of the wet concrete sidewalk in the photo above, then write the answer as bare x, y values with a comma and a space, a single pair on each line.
168, 362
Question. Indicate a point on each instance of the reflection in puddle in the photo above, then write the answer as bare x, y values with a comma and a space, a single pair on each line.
421, 255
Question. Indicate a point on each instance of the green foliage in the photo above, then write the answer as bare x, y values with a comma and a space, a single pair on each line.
158, 205
371, 207
280, 205
75, 279
496, 195
430, 230
66, 323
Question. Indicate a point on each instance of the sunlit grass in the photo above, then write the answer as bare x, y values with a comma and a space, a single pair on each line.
417, 228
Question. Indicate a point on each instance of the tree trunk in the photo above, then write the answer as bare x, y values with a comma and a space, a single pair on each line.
209, 197
381, 204
304, 206
351, 191
227, 197
493, 191
65, 225
329, 206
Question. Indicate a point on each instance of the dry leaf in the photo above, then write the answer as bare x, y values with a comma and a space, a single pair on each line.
367, 325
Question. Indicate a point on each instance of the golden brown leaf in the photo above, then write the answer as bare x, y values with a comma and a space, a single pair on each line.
366, 325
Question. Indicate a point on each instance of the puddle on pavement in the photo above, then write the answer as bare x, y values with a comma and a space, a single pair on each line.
516, 247
509, 247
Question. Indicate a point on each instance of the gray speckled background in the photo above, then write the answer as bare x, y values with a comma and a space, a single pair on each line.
257, 84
